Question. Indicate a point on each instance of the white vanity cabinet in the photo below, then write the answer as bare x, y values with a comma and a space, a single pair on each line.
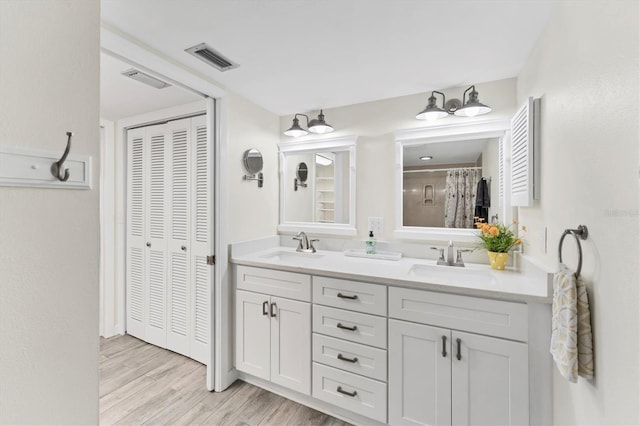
441, 376
273, 334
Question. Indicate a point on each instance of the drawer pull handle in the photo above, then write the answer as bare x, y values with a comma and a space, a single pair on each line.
444, 346
342, 358
458, 355
344, 327
342, 296
351, 394
273, 311
265, 305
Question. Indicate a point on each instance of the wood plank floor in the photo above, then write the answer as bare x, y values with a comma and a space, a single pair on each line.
141, 384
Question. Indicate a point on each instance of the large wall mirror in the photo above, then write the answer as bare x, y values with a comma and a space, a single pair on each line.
449, 175
325, 202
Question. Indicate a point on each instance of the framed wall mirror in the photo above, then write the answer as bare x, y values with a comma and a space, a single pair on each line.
448, 175
326, 205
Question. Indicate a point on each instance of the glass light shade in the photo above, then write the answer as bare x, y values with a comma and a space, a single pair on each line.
320, 128
431, 115
471, 110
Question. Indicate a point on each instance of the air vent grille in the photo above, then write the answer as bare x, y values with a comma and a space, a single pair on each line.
145, 78
211, 57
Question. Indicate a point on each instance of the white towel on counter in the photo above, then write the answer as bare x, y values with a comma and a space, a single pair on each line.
571, 338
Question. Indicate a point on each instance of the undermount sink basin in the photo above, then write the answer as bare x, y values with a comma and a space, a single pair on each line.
452, 275
291, 256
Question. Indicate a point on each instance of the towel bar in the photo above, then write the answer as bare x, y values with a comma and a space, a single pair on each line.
579, 234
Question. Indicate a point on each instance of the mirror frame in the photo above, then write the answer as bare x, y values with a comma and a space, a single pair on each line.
245, 160
497, 128
340, 144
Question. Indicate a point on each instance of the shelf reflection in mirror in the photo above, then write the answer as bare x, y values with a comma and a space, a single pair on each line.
326, 204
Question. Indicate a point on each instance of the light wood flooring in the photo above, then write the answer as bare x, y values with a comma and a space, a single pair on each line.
143, 384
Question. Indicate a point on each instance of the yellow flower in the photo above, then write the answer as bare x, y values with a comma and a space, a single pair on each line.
518, 242
494, 231
485, 228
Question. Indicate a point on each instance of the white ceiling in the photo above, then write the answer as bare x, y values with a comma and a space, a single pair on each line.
302, 55
457, 152
121, 96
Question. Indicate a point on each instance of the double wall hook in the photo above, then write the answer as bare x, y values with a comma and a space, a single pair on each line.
58, 166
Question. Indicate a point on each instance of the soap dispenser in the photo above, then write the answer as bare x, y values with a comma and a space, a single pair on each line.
371, 244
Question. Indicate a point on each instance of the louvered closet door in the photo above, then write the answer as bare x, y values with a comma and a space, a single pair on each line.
201, 238
179, 275
136, 217
156, 241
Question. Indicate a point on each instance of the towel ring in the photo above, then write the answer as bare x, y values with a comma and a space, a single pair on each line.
579, 234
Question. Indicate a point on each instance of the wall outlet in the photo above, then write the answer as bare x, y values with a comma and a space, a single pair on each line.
376, 224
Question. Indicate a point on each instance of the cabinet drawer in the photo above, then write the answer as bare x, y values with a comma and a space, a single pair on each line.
352, 326
272, 282
353, 357
478, 315
353, 295
358, 394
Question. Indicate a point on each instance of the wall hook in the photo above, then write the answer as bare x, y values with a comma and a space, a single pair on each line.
58, 166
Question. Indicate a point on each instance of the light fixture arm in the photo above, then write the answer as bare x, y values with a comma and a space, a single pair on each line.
464, 95
295, 118
434, 98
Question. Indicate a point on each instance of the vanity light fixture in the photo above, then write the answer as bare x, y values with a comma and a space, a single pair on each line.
316, 125
470, 108
426, 158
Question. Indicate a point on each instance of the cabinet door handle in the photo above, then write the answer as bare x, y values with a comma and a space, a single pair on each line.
444, 346
342, 358
458, 355
344, 327
148, 244
183, 248
351, 394
265, 307
343, 296
273, 311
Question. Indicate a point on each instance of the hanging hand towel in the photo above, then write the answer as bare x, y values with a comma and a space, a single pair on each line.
571, 338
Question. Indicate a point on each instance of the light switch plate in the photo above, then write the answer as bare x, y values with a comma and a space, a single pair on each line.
376, 224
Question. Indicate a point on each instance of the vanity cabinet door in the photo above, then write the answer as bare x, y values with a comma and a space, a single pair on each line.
291, 344
490, 383
253, 334
419, 374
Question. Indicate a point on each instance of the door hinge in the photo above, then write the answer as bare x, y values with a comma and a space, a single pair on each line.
211, 260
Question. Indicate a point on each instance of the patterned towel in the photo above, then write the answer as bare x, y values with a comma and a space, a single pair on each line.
571, 339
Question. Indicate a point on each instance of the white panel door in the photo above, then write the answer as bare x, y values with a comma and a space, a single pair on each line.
201, 238
419, 374
291, 344
179, 310
253, 334
136, 229
490, 383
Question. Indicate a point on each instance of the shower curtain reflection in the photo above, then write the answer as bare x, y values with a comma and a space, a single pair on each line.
460, 197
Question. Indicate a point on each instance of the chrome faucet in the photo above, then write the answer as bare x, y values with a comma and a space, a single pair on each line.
305, 245
449, 260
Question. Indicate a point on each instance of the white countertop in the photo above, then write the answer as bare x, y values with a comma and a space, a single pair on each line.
529, 285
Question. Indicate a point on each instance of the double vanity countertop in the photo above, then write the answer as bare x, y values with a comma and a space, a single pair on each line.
528, 284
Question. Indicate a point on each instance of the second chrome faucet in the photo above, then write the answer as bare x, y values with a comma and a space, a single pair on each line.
449, 260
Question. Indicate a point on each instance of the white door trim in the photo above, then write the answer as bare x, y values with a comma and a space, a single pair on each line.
219, 369
107, 229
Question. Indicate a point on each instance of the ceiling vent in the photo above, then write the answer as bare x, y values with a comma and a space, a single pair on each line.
211, 57
145, 78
